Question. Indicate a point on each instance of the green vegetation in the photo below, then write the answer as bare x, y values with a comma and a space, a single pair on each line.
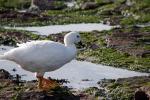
124, 89
52, 17
12, 37
116, 13
110, 56
95, 93
75, 16
14, 4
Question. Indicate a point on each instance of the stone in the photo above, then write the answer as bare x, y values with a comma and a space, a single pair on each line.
143, 93
4, 74
94, 46
34, 9
89, 5
50, 4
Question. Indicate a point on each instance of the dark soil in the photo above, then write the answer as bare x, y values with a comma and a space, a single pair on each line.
10, 88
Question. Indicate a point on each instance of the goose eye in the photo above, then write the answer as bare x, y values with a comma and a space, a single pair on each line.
78, 36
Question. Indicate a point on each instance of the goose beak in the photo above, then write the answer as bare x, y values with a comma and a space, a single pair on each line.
80, 45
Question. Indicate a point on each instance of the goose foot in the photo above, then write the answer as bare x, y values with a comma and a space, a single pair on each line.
46, 84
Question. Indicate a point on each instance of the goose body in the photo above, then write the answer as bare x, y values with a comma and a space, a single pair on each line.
41, 56
44, 56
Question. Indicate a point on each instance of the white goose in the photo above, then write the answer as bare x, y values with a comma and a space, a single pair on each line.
44, 56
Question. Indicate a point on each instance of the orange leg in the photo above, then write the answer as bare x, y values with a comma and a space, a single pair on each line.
45, 84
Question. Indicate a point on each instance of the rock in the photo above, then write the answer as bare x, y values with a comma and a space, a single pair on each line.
43, 95
4, 74
34, 9
104, 2
50, 4
34, 96
89, 5
92, 93
129, 3
7, 41
94, 46
58, 37
142, 94
90, 59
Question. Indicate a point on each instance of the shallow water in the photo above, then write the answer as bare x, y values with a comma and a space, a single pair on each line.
54, 29
75, 72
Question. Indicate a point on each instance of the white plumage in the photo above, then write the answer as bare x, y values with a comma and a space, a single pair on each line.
44, 56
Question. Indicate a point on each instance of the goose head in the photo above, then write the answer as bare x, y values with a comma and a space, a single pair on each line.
72, 38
